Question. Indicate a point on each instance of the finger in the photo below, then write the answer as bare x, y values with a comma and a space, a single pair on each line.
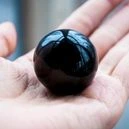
7, 39
121, 72
85, 19
111, 32
113, 57
89, 15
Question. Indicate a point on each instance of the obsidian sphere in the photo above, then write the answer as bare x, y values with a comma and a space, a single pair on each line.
65, 61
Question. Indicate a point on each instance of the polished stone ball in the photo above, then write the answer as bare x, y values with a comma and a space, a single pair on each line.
65, 62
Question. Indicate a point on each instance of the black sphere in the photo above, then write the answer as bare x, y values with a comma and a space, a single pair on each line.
65, 61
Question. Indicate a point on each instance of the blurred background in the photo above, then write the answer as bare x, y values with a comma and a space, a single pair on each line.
34, 18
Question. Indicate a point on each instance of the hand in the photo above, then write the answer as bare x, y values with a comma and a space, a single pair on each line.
25, 103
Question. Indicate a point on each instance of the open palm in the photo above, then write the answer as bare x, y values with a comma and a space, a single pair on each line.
26, 104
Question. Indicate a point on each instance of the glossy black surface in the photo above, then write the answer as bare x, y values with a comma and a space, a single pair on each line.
65, 62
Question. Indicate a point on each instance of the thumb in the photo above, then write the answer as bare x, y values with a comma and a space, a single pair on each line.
7, 38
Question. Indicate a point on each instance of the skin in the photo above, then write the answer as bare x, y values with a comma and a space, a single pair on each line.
26, 104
